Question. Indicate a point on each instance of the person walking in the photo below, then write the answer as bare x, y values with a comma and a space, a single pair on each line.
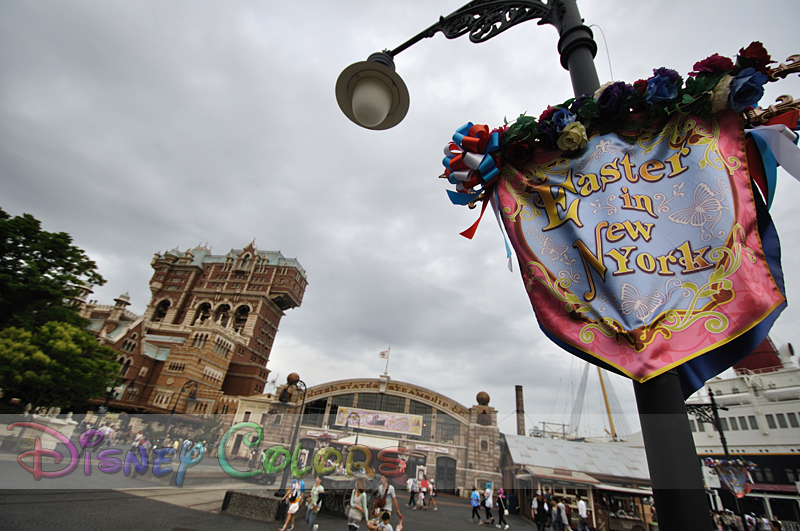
475, 501
540, 511
295, 499
386, 500
432, 494
411, 485
358, 505
314, 504
583, 515
424, 489
488, 498
561, 520
502, 509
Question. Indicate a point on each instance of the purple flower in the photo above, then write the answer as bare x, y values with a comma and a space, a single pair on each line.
661, 89
746, 89
562, 118
549, 134
612, 101
578, 102
668, 73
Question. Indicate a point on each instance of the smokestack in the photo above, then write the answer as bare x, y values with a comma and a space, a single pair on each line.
520, 411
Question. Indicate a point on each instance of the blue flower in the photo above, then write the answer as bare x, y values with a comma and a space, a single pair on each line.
562, 118
746, 89
660, 89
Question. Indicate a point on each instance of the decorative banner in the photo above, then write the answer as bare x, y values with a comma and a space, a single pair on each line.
642, 244
642, 256
379, 420
734, 475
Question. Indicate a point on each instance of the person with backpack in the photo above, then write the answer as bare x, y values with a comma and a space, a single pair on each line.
411, 485
475, 502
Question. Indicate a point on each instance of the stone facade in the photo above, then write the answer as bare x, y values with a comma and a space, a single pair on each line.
212, 320
457, 446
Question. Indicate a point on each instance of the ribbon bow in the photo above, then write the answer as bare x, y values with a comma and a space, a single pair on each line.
468, 162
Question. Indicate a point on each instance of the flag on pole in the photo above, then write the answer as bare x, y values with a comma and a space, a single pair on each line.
384, 355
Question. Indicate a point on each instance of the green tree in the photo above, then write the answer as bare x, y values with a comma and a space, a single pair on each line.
39, 274
57, 365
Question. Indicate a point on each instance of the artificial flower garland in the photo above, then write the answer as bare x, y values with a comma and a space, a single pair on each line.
716, 84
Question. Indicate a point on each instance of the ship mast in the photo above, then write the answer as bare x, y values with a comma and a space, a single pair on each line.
608, 408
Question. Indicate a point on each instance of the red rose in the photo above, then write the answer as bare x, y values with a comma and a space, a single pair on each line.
712, 64
520, 152
640, 86
756, 56
547, 114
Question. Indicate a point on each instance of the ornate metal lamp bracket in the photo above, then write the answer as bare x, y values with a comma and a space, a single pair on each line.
484, 19
702, 412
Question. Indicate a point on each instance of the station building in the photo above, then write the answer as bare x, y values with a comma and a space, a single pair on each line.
457, 446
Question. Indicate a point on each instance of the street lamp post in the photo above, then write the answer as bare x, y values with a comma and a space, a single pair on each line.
709, 413
358, 423
293, 380
372, 95
110, 395
189, 384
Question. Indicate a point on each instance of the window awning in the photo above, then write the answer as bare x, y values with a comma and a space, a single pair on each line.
567, 476
374, 443
626, 490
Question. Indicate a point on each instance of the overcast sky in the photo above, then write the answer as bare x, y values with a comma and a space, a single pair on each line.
140, 126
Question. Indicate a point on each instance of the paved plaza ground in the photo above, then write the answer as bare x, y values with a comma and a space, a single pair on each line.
24, 510
107, 502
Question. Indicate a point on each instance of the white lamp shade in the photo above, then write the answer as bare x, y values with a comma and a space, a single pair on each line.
372, 95
372, 100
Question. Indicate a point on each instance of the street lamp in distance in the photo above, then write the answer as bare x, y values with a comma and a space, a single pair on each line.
190, 401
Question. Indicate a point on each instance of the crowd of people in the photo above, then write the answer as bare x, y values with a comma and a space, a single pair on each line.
728, 521
551, 512
116, 436
487, 500
422, 493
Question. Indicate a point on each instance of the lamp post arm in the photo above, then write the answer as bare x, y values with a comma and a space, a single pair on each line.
484, 19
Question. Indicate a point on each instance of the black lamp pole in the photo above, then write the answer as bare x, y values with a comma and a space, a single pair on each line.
192, 398
302, 386
372, 95
358, 423
709, 413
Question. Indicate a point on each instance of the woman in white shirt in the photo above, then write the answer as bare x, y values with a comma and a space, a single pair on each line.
488, 496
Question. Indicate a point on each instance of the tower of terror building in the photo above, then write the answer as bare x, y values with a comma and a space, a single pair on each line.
211, 319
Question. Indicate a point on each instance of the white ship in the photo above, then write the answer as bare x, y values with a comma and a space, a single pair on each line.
762, 425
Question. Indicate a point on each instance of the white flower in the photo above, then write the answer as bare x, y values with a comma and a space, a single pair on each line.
572, 137
720, 93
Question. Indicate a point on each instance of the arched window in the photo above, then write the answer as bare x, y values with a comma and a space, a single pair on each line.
161, 311
245, 260
222, 315
125, 367
203, 313
240, 318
